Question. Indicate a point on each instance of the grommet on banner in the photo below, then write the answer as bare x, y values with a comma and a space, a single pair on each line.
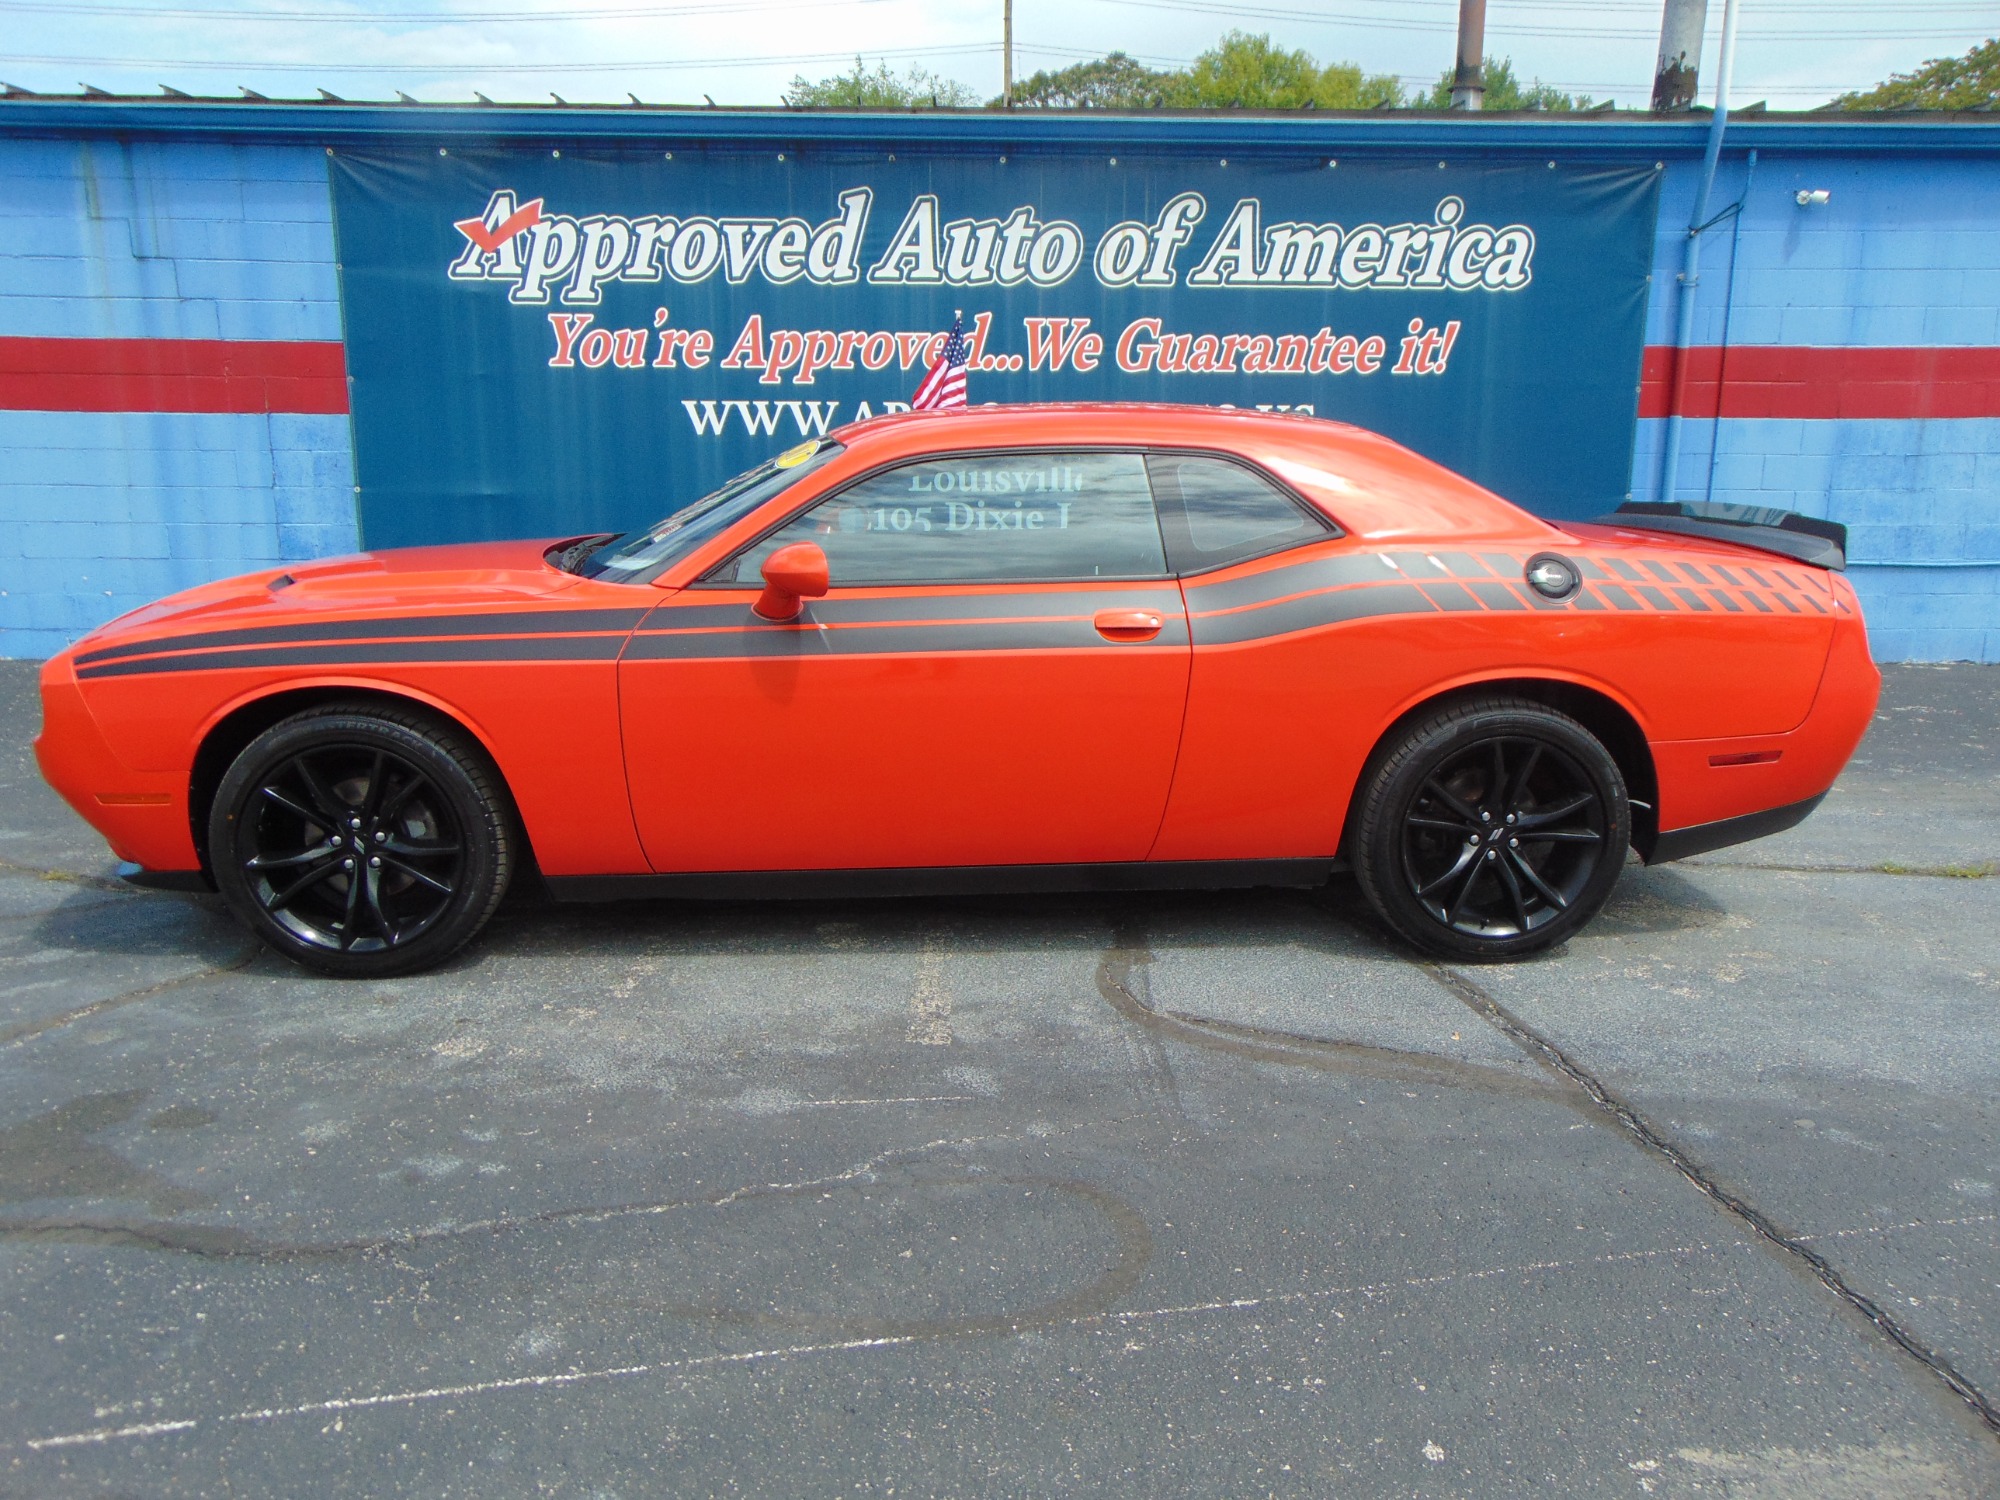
1224, 162
1331, 163
1003, 161
670, 156
781, 156
1114, 161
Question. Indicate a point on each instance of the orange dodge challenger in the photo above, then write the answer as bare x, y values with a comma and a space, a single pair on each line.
1016, 648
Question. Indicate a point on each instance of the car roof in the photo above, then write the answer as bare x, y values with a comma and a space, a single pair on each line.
1373, 486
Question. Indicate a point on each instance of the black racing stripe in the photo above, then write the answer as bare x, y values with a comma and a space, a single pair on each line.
363, 653
922, 608
1757, 600
922, 636
1655, 598
1294, 615
1294, 578
1692, 600
1451, 596
1587, 599
1721, 596
1590, 570
1695, 573
1786, 601
1727, 576
1497, 596
510, 622
1757, 578
1619, 598
1658, 569
1504, 564
1623, 569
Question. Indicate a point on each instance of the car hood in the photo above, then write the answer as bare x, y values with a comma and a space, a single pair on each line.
467, 576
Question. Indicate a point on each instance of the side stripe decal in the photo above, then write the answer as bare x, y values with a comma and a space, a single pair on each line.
513, 622
1279, 600
519, 648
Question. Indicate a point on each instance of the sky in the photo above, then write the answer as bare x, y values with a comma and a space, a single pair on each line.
1794, 54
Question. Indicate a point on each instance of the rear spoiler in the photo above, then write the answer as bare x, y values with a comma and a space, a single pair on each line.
1806, 539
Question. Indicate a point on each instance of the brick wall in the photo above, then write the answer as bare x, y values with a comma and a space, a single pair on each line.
184, 244
1905, 255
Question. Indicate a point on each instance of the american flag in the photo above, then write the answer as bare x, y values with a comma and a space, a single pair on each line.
944, 384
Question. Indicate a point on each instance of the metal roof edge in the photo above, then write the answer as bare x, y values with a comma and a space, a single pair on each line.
336, 124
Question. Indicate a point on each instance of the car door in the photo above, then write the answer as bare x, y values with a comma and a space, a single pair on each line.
996, 677
1268, 730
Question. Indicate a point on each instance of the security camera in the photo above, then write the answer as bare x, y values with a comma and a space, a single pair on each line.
1812, 197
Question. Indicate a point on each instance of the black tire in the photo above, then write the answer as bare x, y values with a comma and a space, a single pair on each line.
403, 800
1493, 828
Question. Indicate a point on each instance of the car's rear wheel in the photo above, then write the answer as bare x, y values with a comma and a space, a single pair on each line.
1492, 828
362, 840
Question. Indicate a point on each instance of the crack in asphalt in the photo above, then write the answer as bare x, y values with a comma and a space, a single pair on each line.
1482, 1003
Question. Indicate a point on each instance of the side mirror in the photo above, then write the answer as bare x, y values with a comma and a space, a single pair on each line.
791, 576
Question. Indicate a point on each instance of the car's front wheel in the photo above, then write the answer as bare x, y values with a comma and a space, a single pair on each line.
1493, 828
362, 840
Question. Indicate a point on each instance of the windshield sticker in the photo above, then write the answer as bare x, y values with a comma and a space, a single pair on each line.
791, 458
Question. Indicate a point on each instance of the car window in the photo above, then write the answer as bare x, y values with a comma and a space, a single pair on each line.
981, 518
1214, 511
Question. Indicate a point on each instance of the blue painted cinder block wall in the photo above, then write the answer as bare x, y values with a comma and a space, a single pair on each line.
103, 511
1905, 253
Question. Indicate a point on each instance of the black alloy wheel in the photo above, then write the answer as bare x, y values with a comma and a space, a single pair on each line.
361, 841
1495, 828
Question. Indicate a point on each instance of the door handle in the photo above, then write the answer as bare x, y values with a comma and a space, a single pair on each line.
1128, 624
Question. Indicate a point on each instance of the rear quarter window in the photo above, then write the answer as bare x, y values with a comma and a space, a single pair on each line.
1215, 511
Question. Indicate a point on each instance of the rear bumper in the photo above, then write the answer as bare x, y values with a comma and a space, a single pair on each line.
1719, 792
1683, 843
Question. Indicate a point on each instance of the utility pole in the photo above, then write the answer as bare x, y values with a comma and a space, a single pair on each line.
1468, 80
1007, 54
1674, 76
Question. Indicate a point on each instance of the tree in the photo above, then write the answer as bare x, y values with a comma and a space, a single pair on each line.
1968, 82
1252, 72
1504, 91
1114, 81
880, 89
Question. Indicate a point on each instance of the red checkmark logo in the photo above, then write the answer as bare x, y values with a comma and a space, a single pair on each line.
527, 216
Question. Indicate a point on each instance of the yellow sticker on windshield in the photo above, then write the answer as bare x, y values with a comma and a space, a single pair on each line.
791, 458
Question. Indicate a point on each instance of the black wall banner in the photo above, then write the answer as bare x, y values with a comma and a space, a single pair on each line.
548, 343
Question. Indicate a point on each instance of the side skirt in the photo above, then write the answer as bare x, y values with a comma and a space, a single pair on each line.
1680, 843
961, 880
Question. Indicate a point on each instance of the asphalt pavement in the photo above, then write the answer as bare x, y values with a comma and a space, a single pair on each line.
1152, 1195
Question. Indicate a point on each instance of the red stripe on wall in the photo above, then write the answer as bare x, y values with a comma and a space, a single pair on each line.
1823, 384
207, 375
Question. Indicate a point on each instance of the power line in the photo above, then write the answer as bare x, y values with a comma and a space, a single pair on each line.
1402, 20
653, 66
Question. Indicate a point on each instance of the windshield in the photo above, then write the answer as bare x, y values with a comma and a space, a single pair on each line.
639, 556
